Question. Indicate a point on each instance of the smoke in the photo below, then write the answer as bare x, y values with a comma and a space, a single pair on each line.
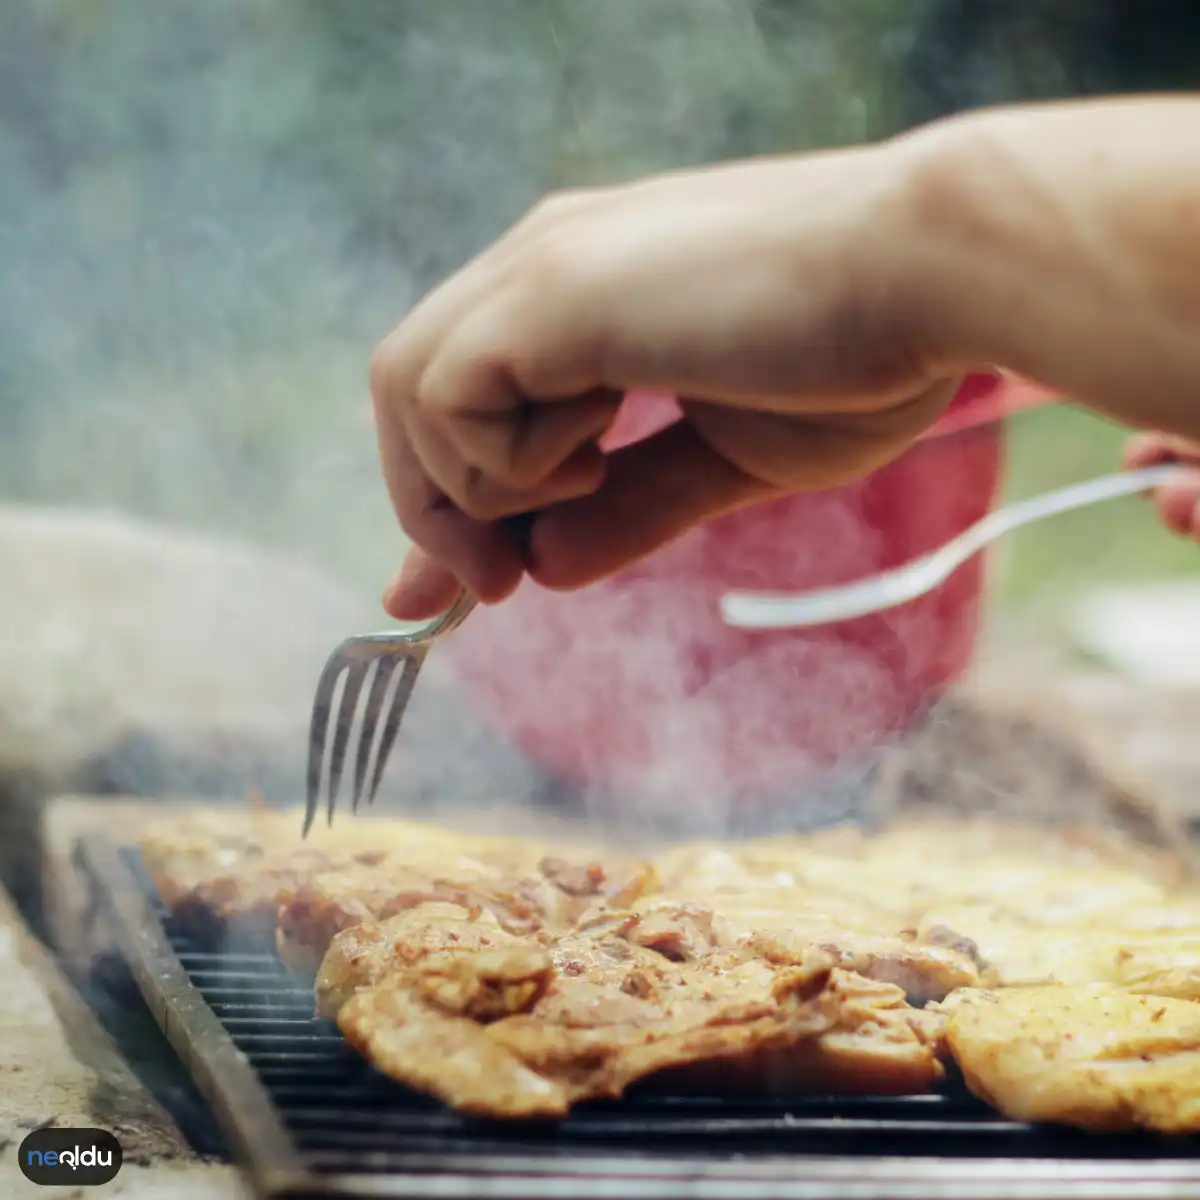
212, 212
192, 278
635, 693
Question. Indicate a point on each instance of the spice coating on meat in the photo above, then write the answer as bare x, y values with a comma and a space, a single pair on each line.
521, 901
1096, 1058
631, 1015
517, 979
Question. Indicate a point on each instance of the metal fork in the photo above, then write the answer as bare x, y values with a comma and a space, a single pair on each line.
798, 610
394, 656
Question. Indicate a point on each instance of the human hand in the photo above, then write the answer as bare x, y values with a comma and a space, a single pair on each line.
811, 314
779, 299
1177, 503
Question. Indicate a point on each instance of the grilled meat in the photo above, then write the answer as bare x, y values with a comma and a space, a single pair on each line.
586, 1013
363, 954
553, 895
517, 979
665, 931
782, 923
1095, 1058
526, 1031
224, 877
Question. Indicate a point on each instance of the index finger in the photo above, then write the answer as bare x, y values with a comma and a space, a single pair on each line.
421, 589
486, 556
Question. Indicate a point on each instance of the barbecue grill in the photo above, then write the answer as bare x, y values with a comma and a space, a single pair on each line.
306, 1117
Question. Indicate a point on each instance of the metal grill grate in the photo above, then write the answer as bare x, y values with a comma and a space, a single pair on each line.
341, 1118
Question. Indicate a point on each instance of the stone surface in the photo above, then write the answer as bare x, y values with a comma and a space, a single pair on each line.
160, 1181
145, 660
149, 659
58, 1066
111, 629
1144, 732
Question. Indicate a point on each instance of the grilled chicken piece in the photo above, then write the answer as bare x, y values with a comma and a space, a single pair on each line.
1055, 875
224, 875
229, 875
365, 953
321, 908
615, 1013
671, 932
551, 896
1152, 950
1095, 1058
781, 925
537, 1024
242, 903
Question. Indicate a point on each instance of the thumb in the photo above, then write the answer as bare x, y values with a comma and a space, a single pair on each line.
654, 491
421, 589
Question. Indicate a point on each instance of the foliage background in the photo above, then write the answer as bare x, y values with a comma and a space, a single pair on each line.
212, 211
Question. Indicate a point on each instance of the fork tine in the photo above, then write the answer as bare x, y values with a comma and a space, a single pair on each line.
410, 667
357, 657
318, 733
355, 677
371, 714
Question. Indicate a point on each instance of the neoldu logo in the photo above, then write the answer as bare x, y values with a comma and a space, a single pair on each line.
75, 1157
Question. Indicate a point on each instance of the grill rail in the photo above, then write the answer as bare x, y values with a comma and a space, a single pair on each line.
307, 1117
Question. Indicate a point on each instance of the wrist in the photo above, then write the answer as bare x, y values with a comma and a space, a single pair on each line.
967, 231
1056, 241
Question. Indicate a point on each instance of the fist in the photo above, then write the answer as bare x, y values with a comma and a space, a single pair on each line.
780, 300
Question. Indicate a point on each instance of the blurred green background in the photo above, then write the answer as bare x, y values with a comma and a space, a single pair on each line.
211, 212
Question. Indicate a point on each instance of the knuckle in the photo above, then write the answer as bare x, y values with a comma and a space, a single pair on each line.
559, 264
557, 206
393, 367
514, 464
515, 471
475, 497
379, 374
413, 520
431, 396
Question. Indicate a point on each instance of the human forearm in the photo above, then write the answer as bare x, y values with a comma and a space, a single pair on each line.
1063, 242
